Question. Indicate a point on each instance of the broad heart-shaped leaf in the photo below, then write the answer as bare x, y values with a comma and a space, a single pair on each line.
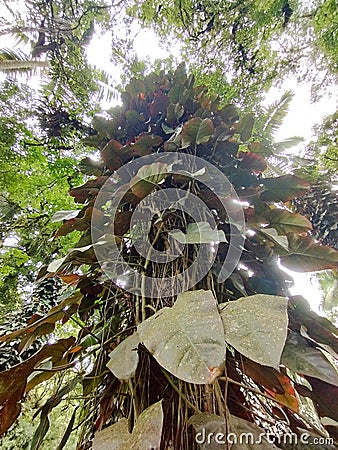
256, 326
305, 255
124, 358
272, 235
110, 154
148, 177
285, 222
212, 433
252, 161
187, 339
199, 233
284, 188
302, 357
244, 127
146, 434
197, 131
144, 145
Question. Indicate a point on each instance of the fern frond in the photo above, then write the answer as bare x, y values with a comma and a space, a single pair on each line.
276, 113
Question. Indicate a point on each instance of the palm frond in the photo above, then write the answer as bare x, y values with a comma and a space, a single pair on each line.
276, 113
288, 143
15, 61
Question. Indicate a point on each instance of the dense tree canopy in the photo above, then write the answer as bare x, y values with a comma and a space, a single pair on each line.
133, 349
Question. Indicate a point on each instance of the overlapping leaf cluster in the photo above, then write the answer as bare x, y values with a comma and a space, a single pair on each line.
240, 356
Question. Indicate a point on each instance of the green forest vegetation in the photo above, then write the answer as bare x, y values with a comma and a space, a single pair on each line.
105, 344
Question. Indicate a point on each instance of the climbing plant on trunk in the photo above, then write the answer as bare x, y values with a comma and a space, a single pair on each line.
168, 355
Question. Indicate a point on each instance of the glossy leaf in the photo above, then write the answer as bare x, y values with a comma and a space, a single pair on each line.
256, 326
199, 233
64, 215
272, 235
284, 188
174, 113
145, 144
159, 104
111, 154
252, 161
304, 358
187, 339
305, 255
197, 131
245, 126
289, 397
147, 179
124, 358
285, 222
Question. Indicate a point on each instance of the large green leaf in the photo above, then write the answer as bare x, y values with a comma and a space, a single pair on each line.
245, 126
305, 255
124, 358
199, 233
271, 235
146, 434
197, 131
284, 222
212, 433
187, 339
148, 177
284, 188
302, 357
256, 326
144, 145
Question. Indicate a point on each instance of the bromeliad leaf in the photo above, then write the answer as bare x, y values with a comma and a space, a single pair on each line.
305, 255
199, 233
197, 131
146, 433
124, 358
256, 326
284, 188
303, 357
187, 339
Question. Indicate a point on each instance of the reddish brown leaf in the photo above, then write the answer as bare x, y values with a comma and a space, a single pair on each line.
252, 161
159, 104
267, 377
122, 223
325, 397
305, 255
111, 154
289, 398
